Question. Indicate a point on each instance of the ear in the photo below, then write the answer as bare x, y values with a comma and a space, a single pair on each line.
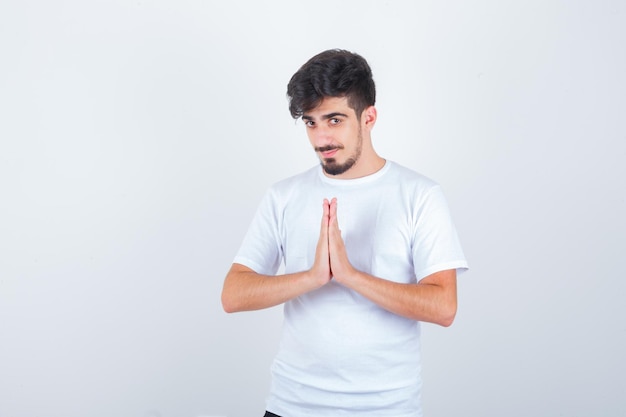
369, 117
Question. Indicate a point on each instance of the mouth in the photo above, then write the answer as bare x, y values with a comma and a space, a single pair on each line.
329, 154
328, 151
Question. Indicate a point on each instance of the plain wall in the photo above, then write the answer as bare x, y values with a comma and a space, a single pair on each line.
137, 138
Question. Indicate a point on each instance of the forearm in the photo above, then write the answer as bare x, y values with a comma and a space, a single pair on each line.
433, 299
245, 290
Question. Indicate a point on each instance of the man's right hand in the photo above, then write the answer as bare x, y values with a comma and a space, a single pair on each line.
245, 290
320, 271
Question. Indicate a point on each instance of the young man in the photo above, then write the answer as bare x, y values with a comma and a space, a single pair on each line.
369, 251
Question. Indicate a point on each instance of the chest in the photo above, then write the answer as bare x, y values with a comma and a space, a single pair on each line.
376, 226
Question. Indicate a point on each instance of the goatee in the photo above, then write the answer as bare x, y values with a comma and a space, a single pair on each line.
331, 167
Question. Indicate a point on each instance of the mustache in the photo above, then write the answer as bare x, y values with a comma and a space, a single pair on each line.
327, 148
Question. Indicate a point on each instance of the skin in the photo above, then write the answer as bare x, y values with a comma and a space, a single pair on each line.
337, 136
334, 124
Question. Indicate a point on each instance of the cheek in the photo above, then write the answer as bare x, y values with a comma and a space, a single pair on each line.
311, 138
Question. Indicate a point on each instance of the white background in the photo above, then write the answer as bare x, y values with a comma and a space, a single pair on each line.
137, 138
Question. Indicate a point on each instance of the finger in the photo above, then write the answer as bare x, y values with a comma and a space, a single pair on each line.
325, 215
321, 265
333, 210
334, 233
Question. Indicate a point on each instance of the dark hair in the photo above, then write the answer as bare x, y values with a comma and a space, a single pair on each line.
332, 73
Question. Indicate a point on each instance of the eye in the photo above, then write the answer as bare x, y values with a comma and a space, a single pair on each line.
334, 121
309, 123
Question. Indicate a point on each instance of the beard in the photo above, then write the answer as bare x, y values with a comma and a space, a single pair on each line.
332, 167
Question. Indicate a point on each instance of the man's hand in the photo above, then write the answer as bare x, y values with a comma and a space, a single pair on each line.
331, 259
320, 272
340, 266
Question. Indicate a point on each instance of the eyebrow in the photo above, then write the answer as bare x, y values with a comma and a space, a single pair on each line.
326, 116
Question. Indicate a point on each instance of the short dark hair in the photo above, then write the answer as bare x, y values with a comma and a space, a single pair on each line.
332, 73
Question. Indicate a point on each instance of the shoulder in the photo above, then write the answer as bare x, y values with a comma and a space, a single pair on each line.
409, 179
296, 181
284, 189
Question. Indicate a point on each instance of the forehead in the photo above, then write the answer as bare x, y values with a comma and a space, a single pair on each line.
330, 105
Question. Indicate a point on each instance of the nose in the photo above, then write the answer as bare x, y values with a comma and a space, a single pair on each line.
320, 136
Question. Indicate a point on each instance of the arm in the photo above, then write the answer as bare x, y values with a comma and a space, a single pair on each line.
432, 299
245, 290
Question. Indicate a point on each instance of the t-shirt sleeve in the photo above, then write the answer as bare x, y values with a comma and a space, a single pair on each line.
436, 245
261, 249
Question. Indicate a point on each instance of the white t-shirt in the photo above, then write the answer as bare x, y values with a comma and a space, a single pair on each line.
341, 354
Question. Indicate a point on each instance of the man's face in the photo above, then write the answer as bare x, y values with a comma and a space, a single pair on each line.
335, 133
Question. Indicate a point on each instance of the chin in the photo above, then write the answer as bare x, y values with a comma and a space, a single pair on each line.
331, 167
